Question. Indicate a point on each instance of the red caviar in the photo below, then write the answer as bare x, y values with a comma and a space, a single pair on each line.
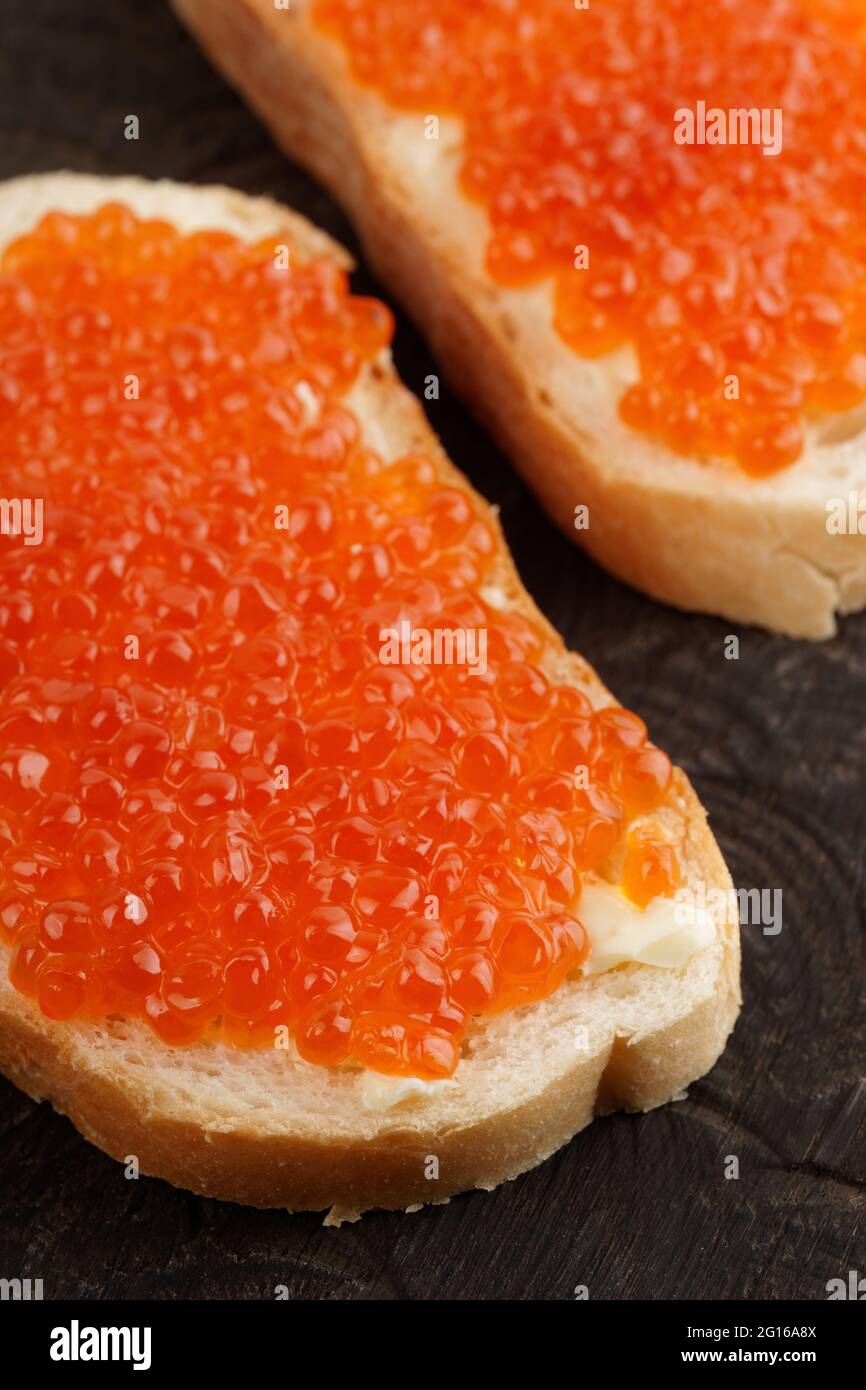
711, 261
220, 810
650, 870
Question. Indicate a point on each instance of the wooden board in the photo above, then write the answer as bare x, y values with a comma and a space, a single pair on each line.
775, 742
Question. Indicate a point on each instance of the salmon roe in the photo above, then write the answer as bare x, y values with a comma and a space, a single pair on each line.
738, 278
221, 810
650, 869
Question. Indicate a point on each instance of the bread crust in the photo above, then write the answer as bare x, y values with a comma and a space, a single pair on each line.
269, 1129
697, 533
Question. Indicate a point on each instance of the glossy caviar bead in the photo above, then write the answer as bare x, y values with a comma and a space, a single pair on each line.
65, 927
137, 968
191, 989
524, 950
595, 825
483, 762
650, 869
729, 260
61, 993
325, 1036
223, 810
247, 990
473, 980
642, 777
523, 692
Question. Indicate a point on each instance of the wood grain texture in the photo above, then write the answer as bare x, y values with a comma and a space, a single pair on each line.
775, 742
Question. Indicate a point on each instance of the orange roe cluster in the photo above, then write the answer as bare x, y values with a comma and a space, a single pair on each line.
710, 261
220, 809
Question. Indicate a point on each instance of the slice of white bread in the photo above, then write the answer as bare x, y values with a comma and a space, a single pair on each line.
698, 533
267, 1128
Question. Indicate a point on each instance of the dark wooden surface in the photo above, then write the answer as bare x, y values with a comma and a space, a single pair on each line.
636, 1206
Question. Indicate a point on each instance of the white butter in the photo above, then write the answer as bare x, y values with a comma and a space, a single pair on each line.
381, 1093
619, 931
